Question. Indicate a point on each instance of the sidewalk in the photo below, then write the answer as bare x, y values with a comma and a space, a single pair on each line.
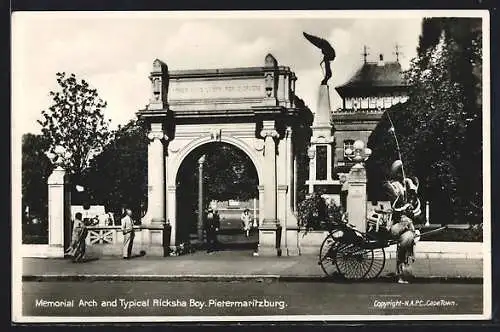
229, 266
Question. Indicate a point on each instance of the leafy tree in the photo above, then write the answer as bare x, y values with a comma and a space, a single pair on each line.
227, 172
117, 177
76, 122
439, 127
36, 168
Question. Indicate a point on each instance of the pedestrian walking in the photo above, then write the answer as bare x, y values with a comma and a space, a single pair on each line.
128, 234
246, 222
211, 228
76, 250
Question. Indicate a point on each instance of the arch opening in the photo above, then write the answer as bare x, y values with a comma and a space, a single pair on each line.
230, 185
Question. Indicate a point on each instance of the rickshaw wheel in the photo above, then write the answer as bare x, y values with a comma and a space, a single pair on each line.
327, 254
378, 263
353, 261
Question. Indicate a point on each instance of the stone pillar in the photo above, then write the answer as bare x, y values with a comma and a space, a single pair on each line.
312, 167
267, 231
200, 199
261, 204
59, 211
329, 162
294, 182
356, 197
156, 175
291, 229
171, 214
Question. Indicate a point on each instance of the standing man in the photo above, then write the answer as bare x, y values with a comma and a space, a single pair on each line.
212, 227
128, 234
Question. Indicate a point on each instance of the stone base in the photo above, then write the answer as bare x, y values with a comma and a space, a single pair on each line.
267, 239
268, 251
292, 251
55, 251
292, 244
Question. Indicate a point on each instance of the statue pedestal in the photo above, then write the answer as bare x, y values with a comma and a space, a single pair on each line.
321, 152
356, 197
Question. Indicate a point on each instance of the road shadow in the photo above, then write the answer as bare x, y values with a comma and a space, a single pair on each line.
391, 278
142, 253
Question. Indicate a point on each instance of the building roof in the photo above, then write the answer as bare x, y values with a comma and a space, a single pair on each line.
375, 75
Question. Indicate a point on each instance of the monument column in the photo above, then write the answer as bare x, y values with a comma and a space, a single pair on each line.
156, 175
267, 231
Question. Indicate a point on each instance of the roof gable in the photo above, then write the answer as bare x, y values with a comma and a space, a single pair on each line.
374, 75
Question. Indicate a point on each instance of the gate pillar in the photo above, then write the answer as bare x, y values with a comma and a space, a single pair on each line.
267, 232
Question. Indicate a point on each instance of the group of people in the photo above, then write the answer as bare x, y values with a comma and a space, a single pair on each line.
404, 201
77, 247
212, 226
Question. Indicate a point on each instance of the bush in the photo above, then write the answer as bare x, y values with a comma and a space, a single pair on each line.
314, 214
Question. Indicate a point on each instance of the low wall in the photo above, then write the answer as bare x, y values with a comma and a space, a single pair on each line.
310, 243
107, 241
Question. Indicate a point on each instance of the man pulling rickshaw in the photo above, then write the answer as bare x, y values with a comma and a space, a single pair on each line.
360, 254
405, 206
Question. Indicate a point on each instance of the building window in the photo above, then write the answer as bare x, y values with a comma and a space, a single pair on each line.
348, 103
348, 144
356, 103
364, 103
387, 102
380, 102
373, 102
321, 162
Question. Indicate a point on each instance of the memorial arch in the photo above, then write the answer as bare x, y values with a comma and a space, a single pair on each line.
254, 109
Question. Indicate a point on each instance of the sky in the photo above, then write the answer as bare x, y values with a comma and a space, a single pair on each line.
114, 51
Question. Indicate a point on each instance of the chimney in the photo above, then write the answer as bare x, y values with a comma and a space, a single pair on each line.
381, 60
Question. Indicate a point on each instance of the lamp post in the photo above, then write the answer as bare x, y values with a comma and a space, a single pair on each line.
359, 154
200, 198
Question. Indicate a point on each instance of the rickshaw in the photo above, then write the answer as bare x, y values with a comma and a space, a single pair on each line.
357, 255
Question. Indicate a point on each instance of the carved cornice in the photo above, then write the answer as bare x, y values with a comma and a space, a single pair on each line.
322, 140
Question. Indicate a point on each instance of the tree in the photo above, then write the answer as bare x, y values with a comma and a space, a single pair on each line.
227, 172
36, 168
75, 122
117, 177
439, 127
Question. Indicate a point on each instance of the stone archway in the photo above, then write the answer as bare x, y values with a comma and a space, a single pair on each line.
255, 109
186, 165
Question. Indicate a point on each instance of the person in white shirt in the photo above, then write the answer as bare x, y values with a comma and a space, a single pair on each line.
128, 234
246, 220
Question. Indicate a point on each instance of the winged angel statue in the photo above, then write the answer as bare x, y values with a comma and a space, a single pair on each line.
328, 54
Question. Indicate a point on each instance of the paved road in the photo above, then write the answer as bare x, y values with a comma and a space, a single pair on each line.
158, 298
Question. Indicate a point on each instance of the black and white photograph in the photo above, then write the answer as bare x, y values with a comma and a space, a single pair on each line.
250, 166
